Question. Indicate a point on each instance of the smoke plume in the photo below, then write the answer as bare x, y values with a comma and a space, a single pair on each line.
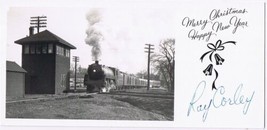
94, 36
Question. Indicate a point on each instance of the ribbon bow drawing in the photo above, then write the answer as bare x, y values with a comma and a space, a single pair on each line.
218, 46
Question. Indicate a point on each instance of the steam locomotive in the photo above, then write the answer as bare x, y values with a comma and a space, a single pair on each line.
103, 79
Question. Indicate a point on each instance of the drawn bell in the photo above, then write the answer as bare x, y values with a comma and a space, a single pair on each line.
219, 59
208, 70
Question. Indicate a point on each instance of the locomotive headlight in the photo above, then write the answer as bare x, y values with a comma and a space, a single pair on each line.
94, 70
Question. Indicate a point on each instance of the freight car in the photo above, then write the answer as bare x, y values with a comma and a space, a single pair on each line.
100, 78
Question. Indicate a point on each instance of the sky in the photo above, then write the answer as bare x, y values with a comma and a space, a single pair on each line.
125, 32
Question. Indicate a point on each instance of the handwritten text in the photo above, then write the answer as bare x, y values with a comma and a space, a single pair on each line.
218, 100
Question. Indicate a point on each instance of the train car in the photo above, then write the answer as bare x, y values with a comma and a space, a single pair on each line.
143, 82
121, 81
154, 84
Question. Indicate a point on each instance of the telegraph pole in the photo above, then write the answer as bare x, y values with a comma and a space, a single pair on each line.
38, 22
149, 50
75, 59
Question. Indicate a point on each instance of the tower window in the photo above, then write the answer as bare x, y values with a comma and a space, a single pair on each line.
44, 48
67, 52
50, 48
38, 49
32, 48
60, 50
26, 49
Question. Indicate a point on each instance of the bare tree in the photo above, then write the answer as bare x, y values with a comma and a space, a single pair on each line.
164, 62
143, 74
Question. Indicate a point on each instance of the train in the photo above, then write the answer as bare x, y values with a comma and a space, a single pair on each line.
104, 79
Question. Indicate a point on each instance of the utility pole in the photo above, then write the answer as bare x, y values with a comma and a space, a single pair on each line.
75, 59
38, 22
150, 49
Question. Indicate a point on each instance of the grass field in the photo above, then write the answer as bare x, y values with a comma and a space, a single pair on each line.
97, 107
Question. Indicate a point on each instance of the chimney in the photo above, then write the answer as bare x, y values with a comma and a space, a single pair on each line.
97, 62
31, 31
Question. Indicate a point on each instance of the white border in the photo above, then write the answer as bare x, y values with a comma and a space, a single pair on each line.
93, 123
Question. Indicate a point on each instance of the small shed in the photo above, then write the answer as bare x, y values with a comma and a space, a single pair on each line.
15, 80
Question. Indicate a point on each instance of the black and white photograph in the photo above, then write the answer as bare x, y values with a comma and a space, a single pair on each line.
90, 63
132, 64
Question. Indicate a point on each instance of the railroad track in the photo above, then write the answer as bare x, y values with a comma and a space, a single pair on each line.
152, 95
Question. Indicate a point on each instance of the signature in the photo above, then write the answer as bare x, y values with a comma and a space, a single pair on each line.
218, 100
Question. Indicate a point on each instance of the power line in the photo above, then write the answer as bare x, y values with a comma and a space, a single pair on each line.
149, 48
75, 59
38, 22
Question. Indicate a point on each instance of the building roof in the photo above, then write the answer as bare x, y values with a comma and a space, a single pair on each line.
44, 36
14, 67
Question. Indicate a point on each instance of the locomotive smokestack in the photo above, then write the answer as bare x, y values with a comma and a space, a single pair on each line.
97, 62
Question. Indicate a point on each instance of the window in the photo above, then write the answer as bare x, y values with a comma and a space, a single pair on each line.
26, 49
50, 48
60, 50
67, 52
32, 48
63, 51
44, 48
38, 49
